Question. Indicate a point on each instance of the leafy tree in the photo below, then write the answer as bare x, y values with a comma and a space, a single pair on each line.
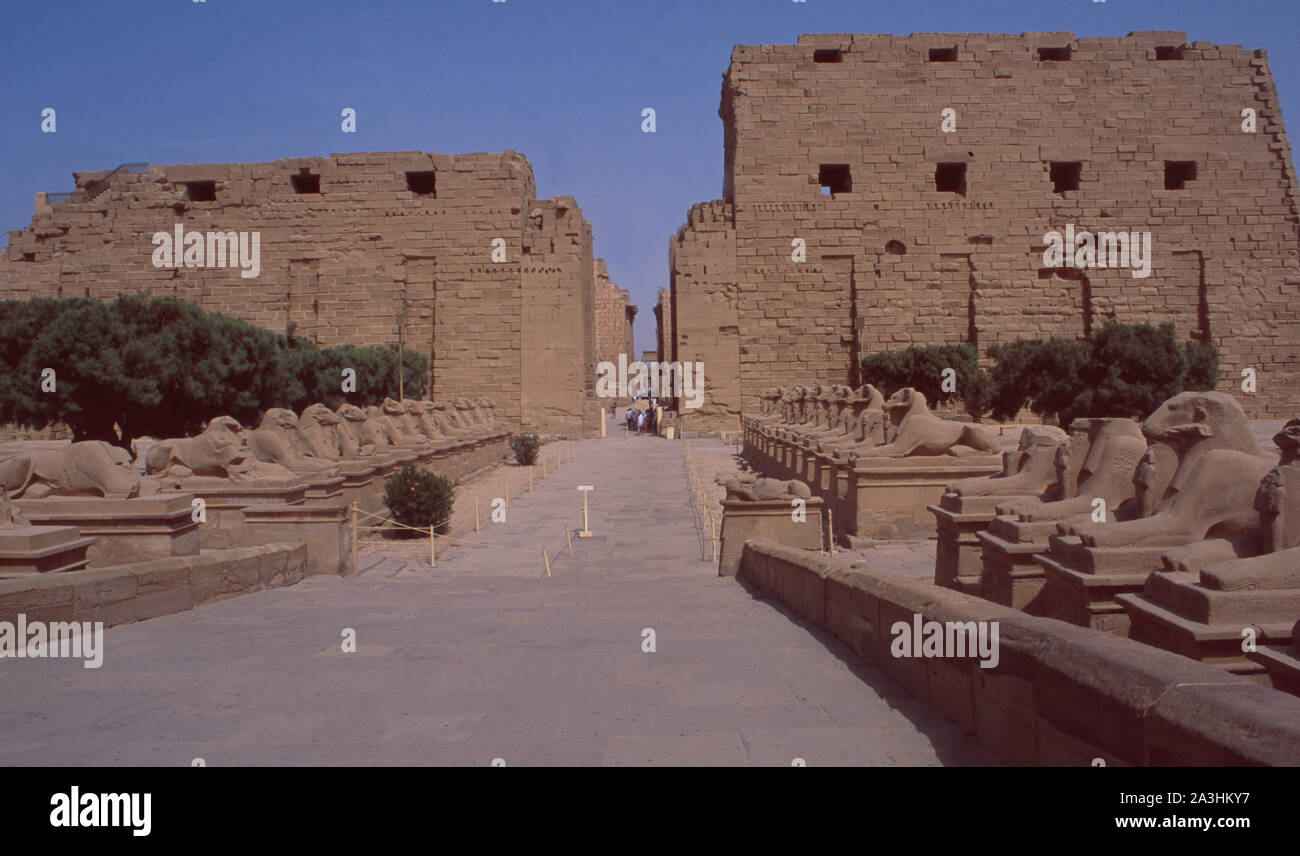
1045, 375
163, 366
921, 367
1119, 370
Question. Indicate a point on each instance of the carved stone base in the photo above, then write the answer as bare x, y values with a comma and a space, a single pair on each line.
124, 530
1082, 582
890, 497
770, 520
30, 550
958, 563
1176, 612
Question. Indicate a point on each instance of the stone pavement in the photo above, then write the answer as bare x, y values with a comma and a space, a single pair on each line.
483, 658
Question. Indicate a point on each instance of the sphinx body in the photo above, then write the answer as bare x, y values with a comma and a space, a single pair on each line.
487, 407
1211, 489
275, 442
760, 489
221, 451
862, 423
317, 435
1266, 558
369, 435
920, 432
417, 421
389, 416
90, 468
833, 412
11, 517
1031, 469
1098, 460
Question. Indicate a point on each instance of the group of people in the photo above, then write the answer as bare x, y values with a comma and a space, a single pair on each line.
641, 419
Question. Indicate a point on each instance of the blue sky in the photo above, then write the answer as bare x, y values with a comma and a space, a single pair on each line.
562, 81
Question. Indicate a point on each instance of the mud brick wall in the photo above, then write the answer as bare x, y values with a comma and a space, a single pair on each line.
702, 261
894, 260
341, 262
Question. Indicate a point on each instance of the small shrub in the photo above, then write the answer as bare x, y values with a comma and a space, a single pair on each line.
525, 447
416, 498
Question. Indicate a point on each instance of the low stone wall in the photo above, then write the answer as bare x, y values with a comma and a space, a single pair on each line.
1060, 694
127, 593
466, 459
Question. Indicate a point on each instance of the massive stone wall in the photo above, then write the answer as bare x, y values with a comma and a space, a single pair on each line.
558, 315
612, 305
917, 235
664, 325
346, 242
703, 318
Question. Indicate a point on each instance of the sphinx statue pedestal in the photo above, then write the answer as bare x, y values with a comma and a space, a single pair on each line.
1009, 573
1212, 591
323, 489
1180, 613
770, 519
363, 481
30, 550
124, 530
1281, 662
1082, 582
225, 501
959, 520
891, 497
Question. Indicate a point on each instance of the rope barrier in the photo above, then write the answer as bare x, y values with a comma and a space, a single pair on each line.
433, 535
705, 521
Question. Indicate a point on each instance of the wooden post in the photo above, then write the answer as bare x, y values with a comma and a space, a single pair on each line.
830, 531
476, 514
569, 539
355, 567
530, 479
432, 552
586, 530
548, 564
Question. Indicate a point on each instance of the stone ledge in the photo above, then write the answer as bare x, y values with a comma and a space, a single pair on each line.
1060, 694
129, 593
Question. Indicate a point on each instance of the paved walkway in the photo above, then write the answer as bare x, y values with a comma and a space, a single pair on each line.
483, 658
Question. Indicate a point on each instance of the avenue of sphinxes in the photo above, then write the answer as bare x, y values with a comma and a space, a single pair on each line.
964, 429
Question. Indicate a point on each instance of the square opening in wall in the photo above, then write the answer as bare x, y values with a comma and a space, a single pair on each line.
1065, 175
305, 182
1178, 173
1054, 54
421, 183
943, 54
201, 191
950, 178
1168, 52
828, 55
834, 178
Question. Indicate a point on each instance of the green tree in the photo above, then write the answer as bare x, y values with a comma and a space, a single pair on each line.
1119, 370
163, 366
921, 367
